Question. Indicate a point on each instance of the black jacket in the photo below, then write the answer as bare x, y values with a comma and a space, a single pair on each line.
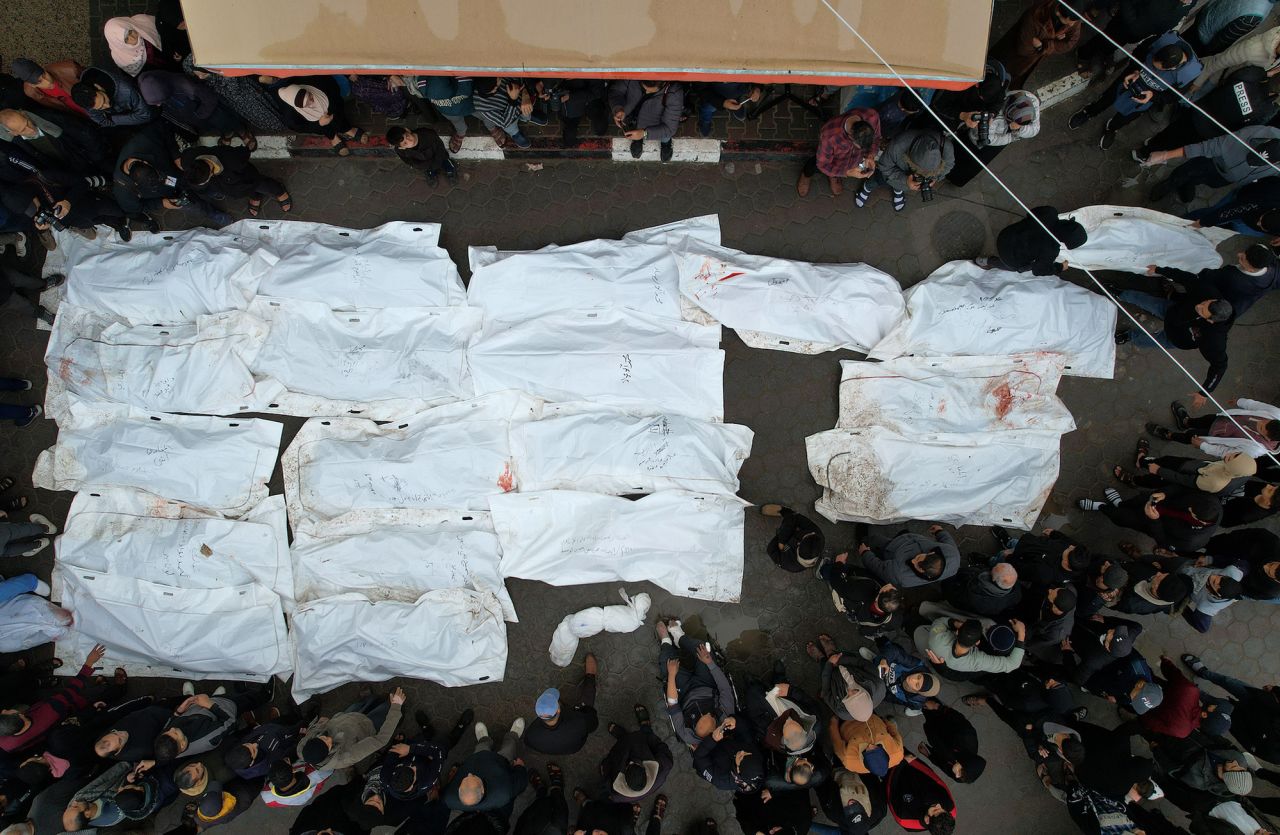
637, 746
238, 176
1186, 330
427, 756
714, 761
973, 591
153, 144
128, 107
428, 155
1025, 246
1086, 645
1038, 559
275, 742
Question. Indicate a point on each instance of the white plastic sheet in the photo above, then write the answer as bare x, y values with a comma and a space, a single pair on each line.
200, 367
450, 457
221, 464
599, 450
398, 264
616, 357
877, 476
790, 305
412, 354
399, 555
690, 544
454, 637
637, 273
235, 632
627, 616
28, 621
964, 310
954, 394
165, 277
1129, 238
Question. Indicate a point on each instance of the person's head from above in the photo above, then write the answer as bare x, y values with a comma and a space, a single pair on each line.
908, 103
170, 745
889, 600
1213, 720
316, 750
1072, 750
968, 632
1110, 576
1256, 258
133, 797
794, 736
1019, 109
1214, 311
1272, 430
800, 773
1269, 221
13, 722
968, 767
1145, 789
403, 778
1235, 775
938, 821
1004, 575
401, 137
1266, 498
1225, 588
1264, 151
141, 173
110, 742
215, 805
928, 565
1059, 600
1118, 641
1063, 16
1000, 638
635, 775
924, 154
650, 85
1168, 588
90, 96
486, 85
470, 791
284, 781
1204, 508
862, 134
241, 756
548, 706
1075, 558
1170, 57
35, 771
1145, 695
24, 69
994, 84
191, 779
922, 684
79, 815
200, 172
18, 122
857, 702
1071, 233
1272, 570
876, 760
704, 725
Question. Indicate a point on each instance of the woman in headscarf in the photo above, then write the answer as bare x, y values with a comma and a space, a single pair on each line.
135, 44
1047, 28
1225, 476
313, 104
1017, 117
192, 106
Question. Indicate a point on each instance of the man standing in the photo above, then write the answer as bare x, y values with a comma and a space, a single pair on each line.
1024, 246
111, 99
647, 110
698, 700
423, 150
560, 731
910, 560
912, 161
489, 780
984, 591
1244, 157
847, 147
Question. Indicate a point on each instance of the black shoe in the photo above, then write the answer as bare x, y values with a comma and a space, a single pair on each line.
1001, 535
637, 148
1180, 416
451, 175
1078, 119
666, 151
153, 226
123, 230
44, 315
1186, 193
465, 721
1080, 714
427, 729
1123, 336
54, 280
1107, 139
35, 412
642, 715
433, 179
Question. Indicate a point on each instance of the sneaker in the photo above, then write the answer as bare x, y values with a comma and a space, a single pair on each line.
1107, 139
123, 230
666, 151
44, 315
522, 141
637, 148
20, 244
153, 225
425, 727
860, 199
899, 201
1078, 119
517, 727
433, 179
1080, 714
95, 181
455, 143
866, 653
676, 629
819, 564
460, 727
1141, 155
37, 546
26, 385
704, 130
913, 711
481, 731
1193, 662
188, 688
1113, 496
52, 281
35, 412
219, 691
42, 589
1180, 415
1124, 336
1002, 536
983, 262
43, 521
1090, 504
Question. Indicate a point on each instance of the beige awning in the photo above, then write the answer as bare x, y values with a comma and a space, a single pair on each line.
937, 43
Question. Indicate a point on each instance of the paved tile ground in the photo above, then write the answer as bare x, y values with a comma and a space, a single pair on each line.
782, 397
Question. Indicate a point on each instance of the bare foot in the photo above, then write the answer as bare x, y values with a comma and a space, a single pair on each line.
589, 665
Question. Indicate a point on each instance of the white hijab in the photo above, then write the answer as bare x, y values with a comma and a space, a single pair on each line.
131, 58
312, 112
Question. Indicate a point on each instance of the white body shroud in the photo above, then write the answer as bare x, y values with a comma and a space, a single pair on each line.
1130, 238
790, 305
601, 450
964, 310
690, 544
627, 616
453, 637
220, 464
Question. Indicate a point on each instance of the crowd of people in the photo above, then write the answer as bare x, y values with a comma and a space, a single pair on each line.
1021, 630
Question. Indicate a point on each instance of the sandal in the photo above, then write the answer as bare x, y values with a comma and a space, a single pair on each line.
6, 483
660, 806
286, 203
250, 141
1143, 450
255, 207
358, 136
15, 504
828, 645
975, 699
642, 715
811, 649
1123, 476
341, 147
455, 143
555, 775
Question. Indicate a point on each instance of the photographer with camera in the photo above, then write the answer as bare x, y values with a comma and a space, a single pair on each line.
1017, 117
847, 147
1167, 61
147, 178
913, 161
51, 206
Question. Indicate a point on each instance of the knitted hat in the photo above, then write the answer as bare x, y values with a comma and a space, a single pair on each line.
1238, 782
926, 154
1021, 107
877, 761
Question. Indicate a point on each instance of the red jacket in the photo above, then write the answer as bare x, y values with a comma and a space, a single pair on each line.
1179, 712
44, 715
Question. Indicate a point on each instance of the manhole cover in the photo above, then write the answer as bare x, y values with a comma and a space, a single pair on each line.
959, 235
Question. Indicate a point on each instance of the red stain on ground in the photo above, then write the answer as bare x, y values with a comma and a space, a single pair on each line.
506, 481
1004, 400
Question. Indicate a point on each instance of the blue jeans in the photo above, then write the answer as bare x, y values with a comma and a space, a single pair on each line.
14, 586
1154, 305
375, 707
1234, 686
